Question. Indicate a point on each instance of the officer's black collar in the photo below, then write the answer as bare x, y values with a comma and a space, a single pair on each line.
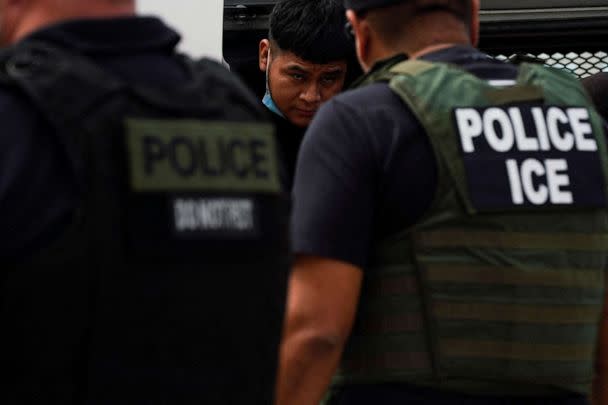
456, 54
121, 35
380, 65
450, 54
384, 63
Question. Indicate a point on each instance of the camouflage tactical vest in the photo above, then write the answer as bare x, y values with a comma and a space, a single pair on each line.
498, 289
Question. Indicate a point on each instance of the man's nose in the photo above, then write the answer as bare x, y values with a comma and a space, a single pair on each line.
311, 93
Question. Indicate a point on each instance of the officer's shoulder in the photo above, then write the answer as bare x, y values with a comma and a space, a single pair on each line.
14, 104
372, 96
215, 75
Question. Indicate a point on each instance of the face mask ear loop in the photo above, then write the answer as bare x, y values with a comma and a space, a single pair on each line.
268, 101
268, 71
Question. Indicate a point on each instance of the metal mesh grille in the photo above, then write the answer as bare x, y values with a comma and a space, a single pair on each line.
581, 64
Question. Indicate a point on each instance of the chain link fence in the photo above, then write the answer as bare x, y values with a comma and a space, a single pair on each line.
582, 64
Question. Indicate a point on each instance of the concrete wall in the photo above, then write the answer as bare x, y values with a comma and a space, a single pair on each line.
199, 21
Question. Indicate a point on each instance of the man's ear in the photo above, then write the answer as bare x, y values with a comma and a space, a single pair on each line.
362, 36
475, 22
264, 54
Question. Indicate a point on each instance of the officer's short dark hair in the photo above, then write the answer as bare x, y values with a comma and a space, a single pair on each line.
391, 22
311, 29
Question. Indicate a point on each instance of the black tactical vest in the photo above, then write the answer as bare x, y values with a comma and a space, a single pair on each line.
168, 287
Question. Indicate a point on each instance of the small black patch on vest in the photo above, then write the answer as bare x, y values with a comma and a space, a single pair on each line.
530, 156
193, 181
214, 217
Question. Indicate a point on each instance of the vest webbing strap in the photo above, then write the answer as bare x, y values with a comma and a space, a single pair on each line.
514, 240
493, 275
412, 67
517, 351
498, 96
480, 311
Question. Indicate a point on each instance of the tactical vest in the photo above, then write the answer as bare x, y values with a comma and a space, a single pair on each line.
168, 286
498, 289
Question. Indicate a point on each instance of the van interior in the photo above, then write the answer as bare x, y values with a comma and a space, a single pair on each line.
567, 34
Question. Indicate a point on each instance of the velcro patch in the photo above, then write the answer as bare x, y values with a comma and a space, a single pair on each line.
530, 156
190, 155
217, 216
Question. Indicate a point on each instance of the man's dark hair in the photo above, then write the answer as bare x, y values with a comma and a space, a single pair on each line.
311, 29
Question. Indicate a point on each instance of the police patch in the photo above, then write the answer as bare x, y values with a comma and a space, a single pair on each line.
530, 156
198, 180
190, 155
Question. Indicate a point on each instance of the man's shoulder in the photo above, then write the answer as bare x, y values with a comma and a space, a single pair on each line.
367, 112
370, 99
597, 87
221, 85
372, 117
15, 107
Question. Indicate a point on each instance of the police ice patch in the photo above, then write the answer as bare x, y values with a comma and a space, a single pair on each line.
530, 156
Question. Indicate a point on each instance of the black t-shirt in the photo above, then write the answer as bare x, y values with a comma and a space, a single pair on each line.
37, 189
366, 169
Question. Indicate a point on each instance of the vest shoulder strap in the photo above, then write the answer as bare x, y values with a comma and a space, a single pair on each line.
410, 73
66, 86
412, 67
63, 85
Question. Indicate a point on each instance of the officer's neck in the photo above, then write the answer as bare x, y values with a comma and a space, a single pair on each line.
432, 48
425, 36
41, 14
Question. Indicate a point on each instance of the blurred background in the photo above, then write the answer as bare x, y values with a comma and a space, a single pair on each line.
568, 34
199, 21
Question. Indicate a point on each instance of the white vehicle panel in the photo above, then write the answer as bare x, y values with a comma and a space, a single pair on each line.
199, 21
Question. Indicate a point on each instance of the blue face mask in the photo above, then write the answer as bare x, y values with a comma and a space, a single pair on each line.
267, 100
269, 103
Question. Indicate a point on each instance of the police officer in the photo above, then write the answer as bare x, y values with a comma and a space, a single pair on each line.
450, 225
143, 231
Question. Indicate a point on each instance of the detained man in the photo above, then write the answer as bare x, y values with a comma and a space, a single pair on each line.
305, 58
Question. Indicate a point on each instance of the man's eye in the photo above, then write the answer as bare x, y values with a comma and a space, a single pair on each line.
329, 79
297, 76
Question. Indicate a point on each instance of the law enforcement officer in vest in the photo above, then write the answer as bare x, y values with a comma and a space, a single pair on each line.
450, 225
143, 237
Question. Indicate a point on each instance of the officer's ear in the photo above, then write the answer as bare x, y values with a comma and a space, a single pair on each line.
474, 28
264, 54
362, 33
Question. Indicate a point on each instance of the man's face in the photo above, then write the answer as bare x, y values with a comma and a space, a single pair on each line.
299, 87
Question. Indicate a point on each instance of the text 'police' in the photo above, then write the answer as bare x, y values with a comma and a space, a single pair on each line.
536, 180
214, 157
